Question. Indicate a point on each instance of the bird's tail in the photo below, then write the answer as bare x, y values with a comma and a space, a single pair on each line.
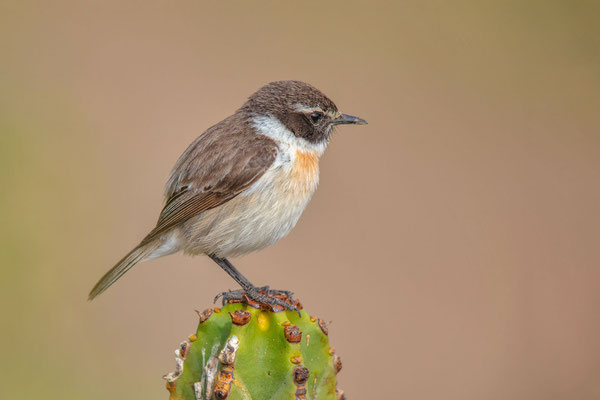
133, 257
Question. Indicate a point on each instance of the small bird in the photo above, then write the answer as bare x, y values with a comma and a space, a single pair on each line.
243, 184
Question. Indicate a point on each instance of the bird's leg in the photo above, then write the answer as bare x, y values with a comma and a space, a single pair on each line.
249, 290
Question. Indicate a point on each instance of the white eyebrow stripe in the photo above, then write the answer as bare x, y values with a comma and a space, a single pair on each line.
305, 109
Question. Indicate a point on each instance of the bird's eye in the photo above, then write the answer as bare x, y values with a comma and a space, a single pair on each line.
316, 117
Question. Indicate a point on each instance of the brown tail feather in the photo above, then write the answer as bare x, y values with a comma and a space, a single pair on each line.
133, 257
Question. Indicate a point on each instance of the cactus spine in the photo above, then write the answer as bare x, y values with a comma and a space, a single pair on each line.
243, 353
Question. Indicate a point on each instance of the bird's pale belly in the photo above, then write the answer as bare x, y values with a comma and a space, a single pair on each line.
258, 217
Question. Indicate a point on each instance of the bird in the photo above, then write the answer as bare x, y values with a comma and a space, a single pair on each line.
243, 184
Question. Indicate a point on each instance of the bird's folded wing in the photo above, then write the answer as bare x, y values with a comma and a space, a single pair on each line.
207, 186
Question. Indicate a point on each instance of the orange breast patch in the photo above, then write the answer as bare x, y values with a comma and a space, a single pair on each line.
306, 167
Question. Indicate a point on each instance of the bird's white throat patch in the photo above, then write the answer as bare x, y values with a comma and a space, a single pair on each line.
276, 130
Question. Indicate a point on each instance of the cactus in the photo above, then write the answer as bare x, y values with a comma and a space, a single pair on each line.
245, 352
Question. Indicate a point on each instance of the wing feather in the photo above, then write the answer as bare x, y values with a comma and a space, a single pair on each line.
217, 167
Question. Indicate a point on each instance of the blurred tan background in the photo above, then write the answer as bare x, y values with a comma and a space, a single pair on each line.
453, 243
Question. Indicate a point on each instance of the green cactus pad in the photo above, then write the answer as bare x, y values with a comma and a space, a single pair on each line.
243, 353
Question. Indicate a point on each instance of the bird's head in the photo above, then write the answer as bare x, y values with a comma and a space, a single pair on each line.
300, 108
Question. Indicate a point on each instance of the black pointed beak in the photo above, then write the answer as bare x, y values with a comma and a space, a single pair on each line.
349, 119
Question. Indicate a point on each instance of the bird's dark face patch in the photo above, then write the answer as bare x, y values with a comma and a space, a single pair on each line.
303, 109
313, 125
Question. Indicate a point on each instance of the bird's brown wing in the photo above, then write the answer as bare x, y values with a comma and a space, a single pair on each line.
213, 170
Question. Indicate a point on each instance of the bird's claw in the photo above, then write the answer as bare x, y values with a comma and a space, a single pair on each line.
262, 297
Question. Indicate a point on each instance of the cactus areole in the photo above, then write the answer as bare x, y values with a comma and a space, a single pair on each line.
241, 352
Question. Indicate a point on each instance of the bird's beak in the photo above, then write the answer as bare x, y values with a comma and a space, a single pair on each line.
348, 119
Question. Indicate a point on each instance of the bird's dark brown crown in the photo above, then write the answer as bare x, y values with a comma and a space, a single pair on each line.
302, 108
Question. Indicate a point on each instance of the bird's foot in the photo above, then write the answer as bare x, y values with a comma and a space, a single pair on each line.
262, 297
274, 292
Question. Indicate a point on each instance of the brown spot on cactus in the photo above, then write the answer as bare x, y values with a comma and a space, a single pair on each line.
301, 393
331, 351
298, 304
184, 349
286, 323
223, 385
292, 334
323, 327
204, 315
171, 386
337, 363
296, 360
240, 317
192, 337
217, 310
273, 307
233, 301
301, 374
252, 303
313, 318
